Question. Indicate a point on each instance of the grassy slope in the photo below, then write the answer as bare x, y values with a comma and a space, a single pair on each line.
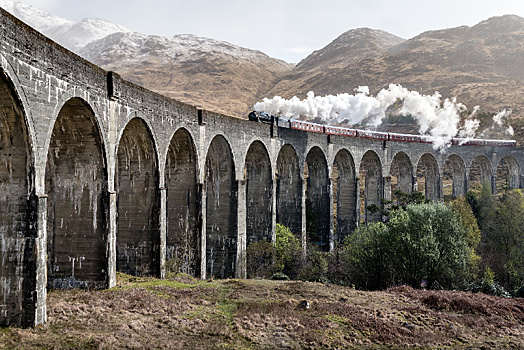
187, 314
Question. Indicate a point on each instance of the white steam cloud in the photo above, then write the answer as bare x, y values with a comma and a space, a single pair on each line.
436, 117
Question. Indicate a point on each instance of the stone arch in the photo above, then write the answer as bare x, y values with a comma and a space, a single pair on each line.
317, 195
182, 203
138, 201
454, 179
289, 190
401, 172
507, 174
344, 189
428, 176
480, 172
17, 210
371, 185
221, 210
76, 184
259, 192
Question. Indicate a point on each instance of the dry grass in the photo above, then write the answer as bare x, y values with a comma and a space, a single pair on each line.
182, 313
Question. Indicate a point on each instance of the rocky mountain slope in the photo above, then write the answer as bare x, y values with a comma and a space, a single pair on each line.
211, 74
348, 49
480, 65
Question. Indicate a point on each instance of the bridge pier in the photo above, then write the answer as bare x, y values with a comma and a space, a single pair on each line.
40, 293
241, 261
111, 241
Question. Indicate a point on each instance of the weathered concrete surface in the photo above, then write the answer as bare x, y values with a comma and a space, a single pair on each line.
103, 174
77, 201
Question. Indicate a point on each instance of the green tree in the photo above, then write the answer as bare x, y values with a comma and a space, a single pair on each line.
428, 241
503, 243
288, 252
366, 257
471, 230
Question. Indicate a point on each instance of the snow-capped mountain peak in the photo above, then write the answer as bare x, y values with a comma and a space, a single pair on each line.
73, 36
33, 16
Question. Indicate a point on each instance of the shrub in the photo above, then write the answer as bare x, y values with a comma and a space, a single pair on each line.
429, 243
261, 257
288, 252
315, 266
364, 259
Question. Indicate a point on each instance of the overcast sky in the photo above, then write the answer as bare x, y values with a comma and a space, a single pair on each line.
285, 29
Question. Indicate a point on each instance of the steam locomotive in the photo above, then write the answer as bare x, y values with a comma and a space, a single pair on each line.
368, 134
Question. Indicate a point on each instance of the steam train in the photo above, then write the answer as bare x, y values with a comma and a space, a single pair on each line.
264, 117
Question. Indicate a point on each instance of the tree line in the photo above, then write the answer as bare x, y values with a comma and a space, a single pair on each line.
473, 243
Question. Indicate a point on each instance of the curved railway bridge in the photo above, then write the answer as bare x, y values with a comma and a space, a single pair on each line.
98, 175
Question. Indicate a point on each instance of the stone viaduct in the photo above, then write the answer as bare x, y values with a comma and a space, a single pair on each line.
98, 175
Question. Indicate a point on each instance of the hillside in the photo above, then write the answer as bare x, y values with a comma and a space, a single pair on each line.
480, 65
182, 313
208, 73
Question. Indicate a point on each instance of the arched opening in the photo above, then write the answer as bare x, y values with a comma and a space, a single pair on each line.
259, 191
76, 185
371, 186
17, 212
183, 236
428, 179
507, 174
401, 172
344, 195
317, 198
454, 177
479, 172
221, 210
289, 190
138, 202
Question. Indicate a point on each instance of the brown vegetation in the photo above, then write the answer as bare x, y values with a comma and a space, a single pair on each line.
184, 313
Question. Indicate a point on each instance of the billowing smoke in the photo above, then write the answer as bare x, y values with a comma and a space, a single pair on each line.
435, 116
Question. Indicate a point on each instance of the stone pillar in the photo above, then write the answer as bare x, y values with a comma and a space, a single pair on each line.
386, 181
203, 230
494, 184
163, 231
111, 241
357, 201
440, 187
241, 263
303, 236
331, 216
466, 181
40, 297
274, 210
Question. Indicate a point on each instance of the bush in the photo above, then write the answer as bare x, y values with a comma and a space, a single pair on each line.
364, 258
429, 242
315, 266
261, 257
288, 252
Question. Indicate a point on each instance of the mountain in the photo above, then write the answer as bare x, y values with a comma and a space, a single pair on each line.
73, 36
348, 49
211, 74
480, 65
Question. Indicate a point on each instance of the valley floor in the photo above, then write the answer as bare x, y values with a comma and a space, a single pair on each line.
182, 313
